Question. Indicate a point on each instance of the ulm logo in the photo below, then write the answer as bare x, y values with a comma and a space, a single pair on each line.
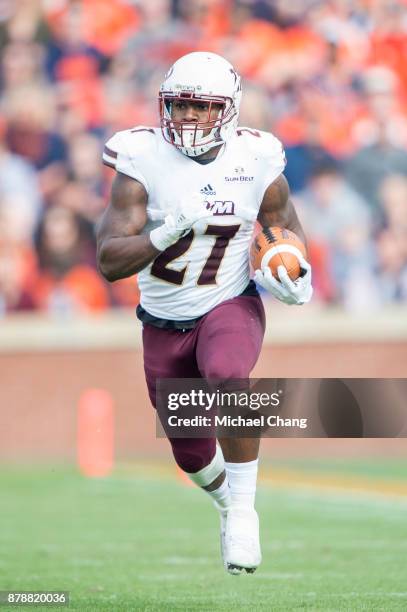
219, 207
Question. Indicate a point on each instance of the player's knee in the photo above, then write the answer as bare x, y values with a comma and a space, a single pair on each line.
192, 455
226, 367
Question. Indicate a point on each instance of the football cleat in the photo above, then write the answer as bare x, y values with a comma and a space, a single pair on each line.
241, 545
223, 519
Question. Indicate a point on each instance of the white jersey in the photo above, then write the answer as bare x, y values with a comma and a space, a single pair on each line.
210, 264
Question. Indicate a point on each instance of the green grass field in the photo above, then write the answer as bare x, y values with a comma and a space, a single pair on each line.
142, 540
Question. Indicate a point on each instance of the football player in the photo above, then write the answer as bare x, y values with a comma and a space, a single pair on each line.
184, 203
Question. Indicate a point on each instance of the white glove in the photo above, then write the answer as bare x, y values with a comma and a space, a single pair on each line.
179, 222
287, 291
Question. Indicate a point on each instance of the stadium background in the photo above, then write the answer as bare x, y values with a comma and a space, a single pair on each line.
329, 79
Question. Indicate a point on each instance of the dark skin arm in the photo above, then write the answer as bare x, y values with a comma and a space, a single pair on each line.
278, 210
121, 249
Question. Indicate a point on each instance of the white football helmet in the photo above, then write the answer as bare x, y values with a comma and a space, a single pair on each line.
206, 77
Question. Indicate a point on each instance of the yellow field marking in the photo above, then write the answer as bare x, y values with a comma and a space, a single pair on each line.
292, 479
333, 482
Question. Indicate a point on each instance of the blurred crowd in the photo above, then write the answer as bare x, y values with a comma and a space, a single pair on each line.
329, 78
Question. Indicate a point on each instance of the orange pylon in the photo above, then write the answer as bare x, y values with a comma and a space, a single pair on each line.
95, 433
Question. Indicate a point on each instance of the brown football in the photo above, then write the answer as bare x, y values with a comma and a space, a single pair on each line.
277, 246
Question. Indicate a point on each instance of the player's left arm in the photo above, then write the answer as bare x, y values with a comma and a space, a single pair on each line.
277, 209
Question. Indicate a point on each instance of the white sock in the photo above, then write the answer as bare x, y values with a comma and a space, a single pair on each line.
221, 496
242, 479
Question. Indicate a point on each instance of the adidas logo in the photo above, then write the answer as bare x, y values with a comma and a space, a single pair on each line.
208, 190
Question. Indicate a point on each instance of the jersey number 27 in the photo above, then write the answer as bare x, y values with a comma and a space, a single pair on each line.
207, 276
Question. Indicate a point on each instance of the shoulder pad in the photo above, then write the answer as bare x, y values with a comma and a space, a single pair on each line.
268, 152
263, 144
128, 151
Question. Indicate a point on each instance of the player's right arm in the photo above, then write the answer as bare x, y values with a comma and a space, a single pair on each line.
121, 248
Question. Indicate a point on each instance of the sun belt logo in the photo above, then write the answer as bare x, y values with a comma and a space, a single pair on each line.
220, 207
208, 190
239, 178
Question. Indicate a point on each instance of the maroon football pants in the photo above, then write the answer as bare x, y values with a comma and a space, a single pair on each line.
224, 345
